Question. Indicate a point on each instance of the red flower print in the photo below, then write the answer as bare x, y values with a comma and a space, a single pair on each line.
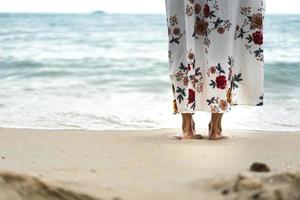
197, 8
221, 30
206, 11
191, 96
258, 37
201, 26
189, 67
221, 82
176, 31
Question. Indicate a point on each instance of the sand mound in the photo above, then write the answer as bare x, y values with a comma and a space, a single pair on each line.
246, 186
22, 187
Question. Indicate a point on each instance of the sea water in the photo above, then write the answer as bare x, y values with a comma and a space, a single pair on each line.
110, 71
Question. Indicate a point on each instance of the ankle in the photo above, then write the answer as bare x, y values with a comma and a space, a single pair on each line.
187, 128
216, 129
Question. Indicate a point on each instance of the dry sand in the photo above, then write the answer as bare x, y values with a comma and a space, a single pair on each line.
146, 165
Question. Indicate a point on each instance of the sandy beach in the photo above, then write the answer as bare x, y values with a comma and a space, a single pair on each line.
134, 165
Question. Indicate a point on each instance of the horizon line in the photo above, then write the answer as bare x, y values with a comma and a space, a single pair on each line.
108, 13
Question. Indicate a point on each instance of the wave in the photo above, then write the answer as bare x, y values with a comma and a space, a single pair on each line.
282, 74
128, 74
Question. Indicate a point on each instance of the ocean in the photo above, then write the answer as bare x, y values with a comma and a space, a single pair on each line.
83, 71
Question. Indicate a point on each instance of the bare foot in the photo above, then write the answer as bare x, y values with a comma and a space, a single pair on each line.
189, 134
209, 127
215, 133
216, 137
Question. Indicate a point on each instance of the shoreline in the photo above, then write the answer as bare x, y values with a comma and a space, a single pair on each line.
138, 130
142, 164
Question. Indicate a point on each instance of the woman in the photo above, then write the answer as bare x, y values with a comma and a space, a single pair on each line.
216, 58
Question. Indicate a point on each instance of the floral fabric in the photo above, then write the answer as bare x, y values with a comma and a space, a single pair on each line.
216, 55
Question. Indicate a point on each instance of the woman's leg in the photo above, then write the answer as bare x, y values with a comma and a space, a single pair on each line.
215, 126
188, 128
188, 125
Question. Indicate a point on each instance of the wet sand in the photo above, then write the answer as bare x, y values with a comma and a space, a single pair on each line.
82, 164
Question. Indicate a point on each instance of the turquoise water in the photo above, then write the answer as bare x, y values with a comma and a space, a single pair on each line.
111, 72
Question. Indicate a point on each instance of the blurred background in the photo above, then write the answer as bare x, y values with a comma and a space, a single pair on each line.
63, 66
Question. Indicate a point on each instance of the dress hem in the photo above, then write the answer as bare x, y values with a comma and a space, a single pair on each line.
205, 110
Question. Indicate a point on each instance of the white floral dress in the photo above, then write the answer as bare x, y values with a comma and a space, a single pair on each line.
216, 57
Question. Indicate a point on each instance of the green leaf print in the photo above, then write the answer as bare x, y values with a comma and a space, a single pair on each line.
181, 95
